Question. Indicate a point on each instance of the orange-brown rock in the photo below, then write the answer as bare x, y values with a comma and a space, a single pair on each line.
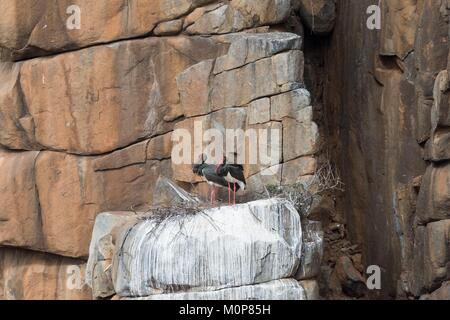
443, 293
431, 50
295, 169
400, 18
28, 275
373, 112
20, 218
16, 125
237, 15
434, 198
98, 99
31, 28
304, 129
90, 128
431, 264
52, 198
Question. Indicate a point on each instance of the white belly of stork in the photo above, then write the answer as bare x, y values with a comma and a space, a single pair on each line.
231, 179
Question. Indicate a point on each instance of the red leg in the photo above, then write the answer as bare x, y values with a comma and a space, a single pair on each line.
234, 195
229, 194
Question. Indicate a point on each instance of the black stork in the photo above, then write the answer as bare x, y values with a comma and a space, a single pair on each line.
209, 173
234, 175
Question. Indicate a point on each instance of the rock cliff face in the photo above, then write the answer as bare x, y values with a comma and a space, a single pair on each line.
89, 115
91, 110
386, 106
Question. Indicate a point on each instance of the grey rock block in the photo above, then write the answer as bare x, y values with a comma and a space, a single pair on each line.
218, 248
285, 289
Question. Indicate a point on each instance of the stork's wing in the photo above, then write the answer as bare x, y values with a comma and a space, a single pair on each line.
237, 172
210, 175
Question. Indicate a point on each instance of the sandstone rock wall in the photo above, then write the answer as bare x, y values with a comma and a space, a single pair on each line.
387, 105
87, 115
87, 118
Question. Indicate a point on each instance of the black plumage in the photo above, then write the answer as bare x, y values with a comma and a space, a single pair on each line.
209, 173
232, 173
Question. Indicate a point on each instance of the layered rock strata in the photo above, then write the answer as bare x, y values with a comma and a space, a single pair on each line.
87, 115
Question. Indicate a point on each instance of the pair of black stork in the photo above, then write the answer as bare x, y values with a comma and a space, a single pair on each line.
222, 175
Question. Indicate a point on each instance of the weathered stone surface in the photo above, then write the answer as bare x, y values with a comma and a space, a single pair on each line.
194, 87
285, 289
61, 194
237, 76
28, 275
289, 104
31, 27
417, 278
104, 98
443, 293
207, 20
133, 155
262, 78
438, 147
102, 285
434, 197
405, 204
271, 251
20, 218
160, 148
304, 129
400, 20
101, 251
318, 15
265, 151
371, 118
257, 183
288, 67
16, 125
311, 288
432, 259
98, 121
256, 65
238, 15
169, 28
67, 197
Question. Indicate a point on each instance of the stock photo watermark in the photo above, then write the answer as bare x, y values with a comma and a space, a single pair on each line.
74, 278
374, 19
250, 146
374, 277
373, 22
73, 22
